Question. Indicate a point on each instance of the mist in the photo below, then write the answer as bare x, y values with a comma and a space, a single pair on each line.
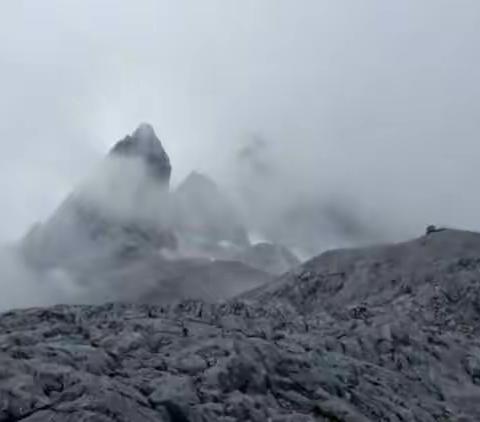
359, 118
23, 287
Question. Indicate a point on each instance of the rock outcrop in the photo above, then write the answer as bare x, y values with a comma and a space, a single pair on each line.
144, 144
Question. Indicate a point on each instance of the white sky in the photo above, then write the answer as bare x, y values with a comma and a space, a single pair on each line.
375, 99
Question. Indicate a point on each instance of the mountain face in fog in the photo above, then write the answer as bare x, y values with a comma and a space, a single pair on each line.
122, 206
305, 214
125, 234
205, 219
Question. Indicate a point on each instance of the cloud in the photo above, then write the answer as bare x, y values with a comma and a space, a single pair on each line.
369, 104
23, 287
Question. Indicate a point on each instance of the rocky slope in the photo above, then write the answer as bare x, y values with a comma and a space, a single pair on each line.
388, 333
269, 257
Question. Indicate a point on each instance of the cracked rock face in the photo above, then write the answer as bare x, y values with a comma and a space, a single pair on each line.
144, 144
377, 334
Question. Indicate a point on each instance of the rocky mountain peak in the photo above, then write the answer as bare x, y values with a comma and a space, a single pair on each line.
144, 143
145, 131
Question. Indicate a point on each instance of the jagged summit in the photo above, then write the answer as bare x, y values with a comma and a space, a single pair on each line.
115, 209
144, 131
144, 143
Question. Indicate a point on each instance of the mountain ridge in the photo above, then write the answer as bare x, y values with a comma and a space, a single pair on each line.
126, 214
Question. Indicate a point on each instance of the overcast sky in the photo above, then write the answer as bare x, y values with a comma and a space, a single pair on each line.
377, 100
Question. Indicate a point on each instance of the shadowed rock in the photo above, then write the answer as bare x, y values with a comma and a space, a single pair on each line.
144, 144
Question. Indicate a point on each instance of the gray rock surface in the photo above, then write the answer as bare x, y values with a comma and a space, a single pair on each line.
144, 144
388, 333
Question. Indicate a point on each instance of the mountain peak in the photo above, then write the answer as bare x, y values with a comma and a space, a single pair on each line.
145, 131
143, 143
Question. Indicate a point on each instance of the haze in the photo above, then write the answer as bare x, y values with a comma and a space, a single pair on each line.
372, 104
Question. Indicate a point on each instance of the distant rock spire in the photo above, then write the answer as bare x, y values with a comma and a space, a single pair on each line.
204, 212
144, 143
114, 213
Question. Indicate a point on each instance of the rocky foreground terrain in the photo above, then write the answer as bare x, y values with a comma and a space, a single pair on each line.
388, 333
